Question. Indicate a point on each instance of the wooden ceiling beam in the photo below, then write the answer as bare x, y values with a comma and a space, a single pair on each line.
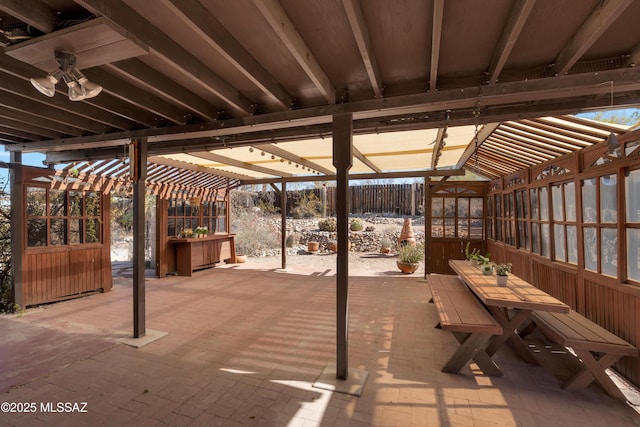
517, 18
169, 51
134, 95
36, 14
436, 36
596, 24
189, 166
236, 163
48, 125
277, 17
360, 176
358, 155
195, 16
156, 82
21, 125
438, 144
65, 118
15, 75
287, 155
361, 34
484, 133
500, 102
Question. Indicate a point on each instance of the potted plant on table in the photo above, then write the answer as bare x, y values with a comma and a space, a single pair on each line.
410, 258
471, 255
485, 264
502, 272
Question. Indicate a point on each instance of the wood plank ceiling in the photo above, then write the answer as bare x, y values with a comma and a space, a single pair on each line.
198, 76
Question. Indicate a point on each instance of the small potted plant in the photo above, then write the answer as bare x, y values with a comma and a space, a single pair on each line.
485, 264
472, 255
410, 258
313, 247
385, 245
502, 272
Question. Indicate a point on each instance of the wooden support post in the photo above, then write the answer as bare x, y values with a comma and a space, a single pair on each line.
283, 210
427, 225
138, 156
18, 227
342, 160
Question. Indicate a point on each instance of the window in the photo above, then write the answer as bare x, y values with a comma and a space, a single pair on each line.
58, 217
522, 214
600, 217
540, 239
564, 222
183, 215
632, 225
457, 217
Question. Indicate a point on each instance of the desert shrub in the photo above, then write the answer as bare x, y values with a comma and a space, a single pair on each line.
411, 254
328, 224
6, 297
254, 235
308, 206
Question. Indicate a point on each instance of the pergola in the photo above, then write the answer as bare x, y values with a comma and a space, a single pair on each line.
188, 84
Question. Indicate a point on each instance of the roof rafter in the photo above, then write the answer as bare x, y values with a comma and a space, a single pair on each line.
36, 14
154, 81
361, 34
484, 133
188, 166
358, 155
517, 19
436, 35
279, 21
232, 162
169, 51
287, 155
198, 18
438, 145
597, 23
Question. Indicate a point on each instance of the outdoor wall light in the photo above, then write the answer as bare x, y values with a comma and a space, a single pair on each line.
79, 86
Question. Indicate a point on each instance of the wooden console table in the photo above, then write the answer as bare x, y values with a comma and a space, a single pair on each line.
196, 253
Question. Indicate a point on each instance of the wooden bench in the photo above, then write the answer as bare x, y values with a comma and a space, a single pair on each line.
597, 348
462, 314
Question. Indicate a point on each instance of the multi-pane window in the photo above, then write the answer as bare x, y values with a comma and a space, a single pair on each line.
59, 217
185, 215
565, 236
522, 213
456, 217
540, 239
632, 224
600, 217
182, 216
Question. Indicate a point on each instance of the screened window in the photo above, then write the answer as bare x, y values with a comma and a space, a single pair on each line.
183, 215
540, 233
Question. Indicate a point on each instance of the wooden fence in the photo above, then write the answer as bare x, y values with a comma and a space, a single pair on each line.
389, 199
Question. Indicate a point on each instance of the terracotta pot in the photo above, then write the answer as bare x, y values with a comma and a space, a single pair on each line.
385, 250
313, 246
407, 268
241, 259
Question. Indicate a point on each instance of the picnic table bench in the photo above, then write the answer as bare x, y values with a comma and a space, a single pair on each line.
462, 314
597, 347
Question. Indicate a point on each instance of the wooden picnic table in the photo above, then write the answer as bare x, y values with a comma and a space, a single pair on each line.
511, 306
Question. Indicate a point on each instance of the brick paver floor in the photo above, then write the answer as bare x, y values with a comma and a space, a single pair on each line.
245, 345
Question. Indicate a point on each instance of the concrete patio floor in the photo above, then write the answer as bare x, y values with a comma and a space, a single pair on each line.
245, 344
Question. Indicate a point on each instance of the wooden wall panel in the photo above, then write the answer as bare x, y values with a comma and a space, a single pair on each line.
65, 272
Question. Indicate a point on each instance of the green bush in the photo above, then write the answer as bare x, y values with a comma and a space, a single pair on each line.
411, 254
308, 207
328, 224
